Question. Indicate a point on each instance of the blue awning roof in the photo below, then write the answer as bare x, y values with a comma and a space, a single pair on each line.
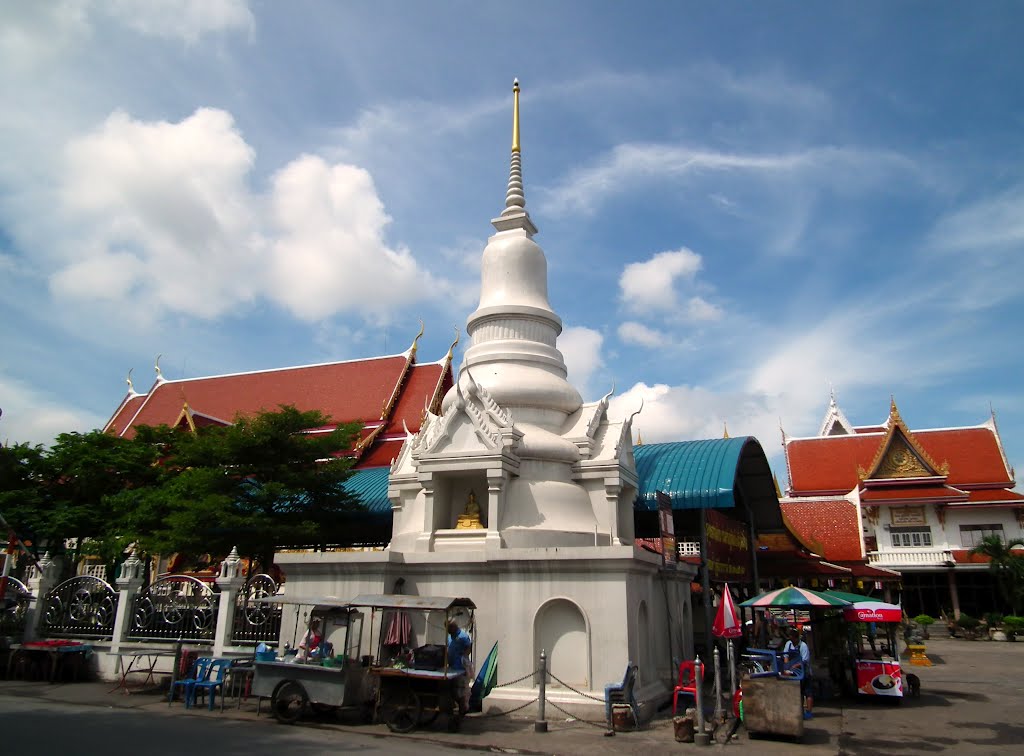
370, 486
719, 473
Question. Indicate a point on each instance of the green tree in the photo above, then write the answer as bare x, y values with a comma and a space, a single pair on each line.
1007, 567
60, 497
269, 480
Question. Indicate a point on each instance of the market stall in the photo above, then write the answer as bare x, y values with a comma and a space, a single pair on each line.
872, 636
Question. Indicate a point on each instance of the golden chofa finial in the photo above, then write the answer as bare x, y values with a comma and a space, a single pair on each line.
515, 115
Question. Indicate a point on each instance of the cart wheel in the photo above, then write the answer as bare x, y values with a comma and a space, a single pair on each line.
289, 702
428, 717
401, 710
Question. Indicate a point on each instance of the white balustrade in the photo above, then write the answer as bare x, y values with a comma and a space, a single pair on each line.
901, 557
688, 548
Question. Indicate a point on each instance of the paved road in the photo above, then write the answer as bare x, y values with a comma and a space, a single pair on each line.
971, 704
31, 726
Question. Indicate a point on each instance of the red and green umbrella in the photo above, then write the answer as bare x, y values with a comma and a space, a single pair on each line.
794, 597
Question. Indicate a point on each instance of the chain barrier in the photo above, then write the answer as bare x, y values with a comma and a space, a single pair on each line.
600, 725
506, 713
577, 692
524, 677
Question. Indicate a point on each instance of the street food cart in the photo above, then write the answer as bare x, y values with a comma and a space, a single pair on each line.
414, 682
877, 670
332, 681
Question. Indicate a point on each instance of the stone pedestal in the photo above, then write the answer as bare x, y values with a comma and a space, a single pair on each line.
44, 579
129, 583
231, 582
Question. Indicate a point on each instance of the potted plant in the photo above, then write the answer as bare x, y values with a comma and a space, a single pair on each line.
992, 621
969, 625
924, 620
1014, 626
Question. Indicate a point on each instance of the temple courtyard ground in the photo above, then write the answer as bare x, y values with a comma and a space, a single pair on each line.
970, 703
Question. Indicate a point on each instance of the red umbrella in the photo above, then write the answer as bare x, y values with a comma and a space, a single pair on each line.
727, 620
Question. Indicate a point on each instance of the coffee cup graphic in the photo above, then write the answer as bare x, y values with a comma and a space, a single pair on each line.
883, 682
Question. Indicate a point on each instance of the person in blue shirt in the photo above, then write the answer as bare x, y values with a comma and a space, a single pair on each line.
795, 648
460, 645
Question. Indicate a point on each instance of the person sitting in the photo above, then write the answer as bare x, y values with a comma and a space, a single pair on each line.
309, 646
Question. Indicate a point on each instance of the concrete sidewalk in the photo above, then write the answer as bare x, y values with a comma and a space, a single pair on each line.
506, 734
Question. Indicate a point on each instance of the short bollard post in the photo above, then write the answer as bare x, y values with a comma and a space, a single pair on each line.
541, 724
700, 737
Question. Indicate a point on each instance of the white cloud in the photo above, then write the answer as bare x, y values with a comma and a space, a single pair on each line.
990, 223
182, 19
699, 309
163, 214
163, 217
32, 416
34, 32
331, 255
581, 348
629, 165
631, 332
650, 285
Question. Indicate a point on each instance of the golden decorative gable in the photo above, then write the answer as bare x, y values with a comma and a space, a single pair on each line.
900, 455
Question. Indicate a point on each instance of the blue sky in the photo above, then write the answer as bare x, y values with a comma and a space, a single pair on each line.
741, 204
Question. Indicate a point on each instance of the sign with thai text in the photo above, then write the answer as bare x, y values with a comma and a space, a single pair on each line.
669, 556
728, 557
908, 515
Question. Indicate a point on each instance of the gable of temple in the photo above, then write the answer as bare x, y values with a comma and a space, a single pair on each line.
965, 458
385, 395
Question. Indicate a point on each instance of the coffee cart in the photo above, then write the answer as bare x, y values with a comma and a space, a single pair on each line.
877, 670
414, 682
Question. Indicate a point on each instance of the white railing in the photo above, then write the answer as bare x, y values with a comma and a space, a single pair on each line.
688, 548
906, 557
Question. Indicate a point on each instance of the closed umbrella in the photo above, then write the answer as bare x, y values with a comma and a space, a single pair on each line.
727, 625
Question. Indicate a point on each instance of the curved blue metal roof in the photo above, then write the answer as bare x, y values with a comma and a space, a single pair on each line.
695, 474
370, 486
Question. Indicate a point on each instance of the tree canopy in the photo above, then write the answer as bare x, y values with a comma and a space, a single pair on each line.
1007, 566
273, 479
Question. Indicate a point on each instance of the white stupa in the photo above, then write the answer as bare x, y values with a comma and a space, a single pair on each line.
520, 496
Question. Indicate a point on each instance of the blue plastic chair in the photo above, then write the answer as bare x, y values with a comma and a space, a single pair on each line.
622, 693
200, 671
214, 679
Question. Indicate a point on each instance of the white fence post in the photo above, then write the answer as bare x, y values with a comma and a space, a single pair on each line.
230, 582
42, 581
129, 583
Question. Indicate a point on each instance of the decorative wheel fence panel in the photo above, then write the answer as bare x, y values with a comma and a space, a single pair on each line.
82, 607
175, 607
256, 621
14, 605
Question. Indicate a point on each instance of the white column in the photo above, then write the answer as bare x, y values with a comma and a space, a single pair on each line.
425, 540
129, 583
231, 581
43, 580
495, 491
611, 492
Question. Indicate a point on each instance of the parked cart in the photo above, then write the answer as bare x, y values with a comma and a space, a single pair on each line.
415, 683
335, 680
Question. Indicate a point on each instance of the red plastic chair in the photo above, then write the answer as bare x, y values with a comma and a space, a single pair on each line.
687, 684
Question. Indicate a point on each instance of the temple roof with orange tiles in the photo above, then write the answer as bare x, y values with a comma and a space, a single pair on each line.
387, 396
886, 465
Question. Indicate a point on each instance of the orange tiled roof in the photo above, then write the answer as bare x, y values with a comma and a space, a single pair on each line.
828, 527
829, 464
354, 391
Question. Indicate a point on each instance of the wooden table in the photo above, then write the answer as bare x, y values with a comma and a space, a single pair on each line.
141, 661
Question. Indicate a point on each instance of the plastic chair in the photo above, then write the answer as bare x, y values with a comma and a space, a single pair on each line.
687, 684
622, 693
200, 671
214, 679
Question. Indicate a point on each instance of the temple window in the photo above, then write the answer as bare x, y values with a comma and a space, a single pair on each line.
972, 535
911, 537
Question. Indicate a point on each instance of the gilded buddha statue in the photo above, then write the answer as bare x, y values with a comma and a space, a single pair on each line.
470, 517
